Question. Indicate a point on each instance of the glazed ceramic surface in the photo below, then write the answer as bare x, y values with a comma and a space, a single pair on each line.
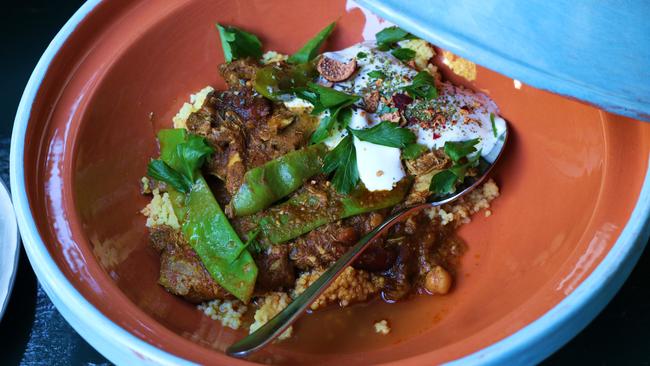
555, 45
9, 247
562, 237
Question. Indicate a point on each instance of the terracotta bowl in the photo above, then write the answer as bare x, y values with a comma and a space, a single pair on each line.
563, 236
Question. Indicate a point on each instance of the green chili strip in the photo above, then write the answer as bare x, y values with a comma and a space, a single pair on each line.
276, 179
306, 211
208, 231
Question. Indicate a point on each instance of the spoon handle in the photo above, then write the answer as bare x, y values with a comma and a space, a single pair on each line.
286, 317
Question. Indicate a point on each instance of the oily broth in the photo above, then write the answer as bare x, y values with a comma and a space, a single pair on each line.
351, 329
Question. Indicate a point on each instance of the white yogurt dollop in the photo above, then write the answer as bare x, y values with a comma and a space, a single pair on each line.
380, 167
469, 118
397, 73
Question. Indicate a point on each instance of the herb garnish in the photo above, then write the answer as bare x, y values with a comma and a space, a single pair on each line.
184, 163
376, 74
445, 181
310, 50
326, 125
413, 151
422, 86
362, 55
343, 160
403, 54
387, 37
159, 170
460, 149
494, 125
237, 43
344, 117
385, 134
326, 99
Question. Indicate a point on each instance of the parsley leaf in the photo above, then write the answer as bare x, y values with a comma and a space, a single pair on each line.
343, 162
306, 94
330, 98
403, 54
413, 151
460, 171
376, 74
391, 35
159, 170
362, 55
324, 98
310, 49
184, 163
445, 181
344, 117
340, 116
385, 134
190, 156
422, 86
327, 99
494, 126
237, 43
442, 182
323, 130
457, 150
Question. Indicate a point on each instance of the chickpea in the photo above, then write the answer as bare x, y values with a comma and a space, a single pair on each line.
438, 281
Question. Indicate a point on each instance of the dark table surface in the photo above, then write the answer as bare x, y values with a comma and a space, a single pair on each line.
34, 333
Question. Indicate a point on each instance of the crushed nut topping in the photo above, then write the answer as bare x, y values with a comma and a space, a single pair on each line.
371, 101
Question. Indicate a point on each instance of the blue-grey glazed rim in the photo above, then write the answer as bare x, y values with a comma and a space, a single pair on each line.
528, 345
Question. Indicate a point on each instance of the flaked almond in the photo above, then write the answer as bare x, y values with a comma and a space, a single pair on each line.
391, 117
334, 70
371, 101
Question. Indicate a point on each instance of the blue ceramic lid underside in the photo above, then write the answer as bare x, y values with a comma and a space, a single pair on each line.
599, 53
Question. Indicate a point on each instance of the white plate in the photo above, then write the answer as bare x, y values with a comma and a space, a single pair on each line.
9, 249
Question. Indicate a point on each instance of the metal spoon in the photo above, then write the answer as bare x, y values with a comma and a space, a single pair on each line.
290, 314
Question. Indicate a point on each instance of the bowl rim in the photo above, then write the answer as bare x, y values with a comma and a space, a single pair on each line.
10, 251
530, 344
